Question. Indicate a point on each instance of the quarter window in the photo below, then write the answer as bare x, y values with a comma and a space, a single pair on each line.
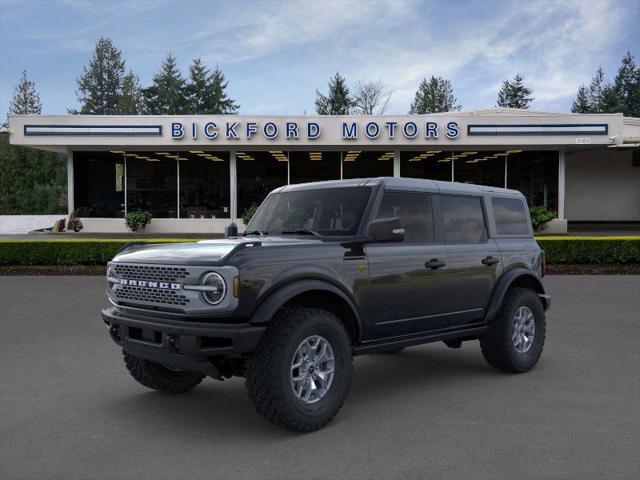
463, 219
511, 217
415, 213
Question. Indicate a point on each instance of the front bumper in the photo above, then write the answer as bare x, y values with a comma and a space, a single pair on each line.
185, 345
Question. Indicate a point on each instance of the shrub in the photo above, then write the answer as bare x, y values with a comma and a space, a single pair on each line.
540, 216
137, 220
249, 213
74, 223
590, 250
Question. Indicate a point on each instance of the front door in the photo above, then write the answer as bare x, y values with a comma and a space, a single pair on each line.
408, 284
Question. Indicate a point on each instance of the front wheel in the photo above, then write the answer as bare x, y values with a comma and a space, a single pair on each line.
301, 370
515, 338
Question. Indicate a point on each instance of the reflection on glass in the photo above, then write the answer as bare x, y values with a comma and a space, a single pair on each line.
314, 166
463, 219
535, 174
510, 216
152, 183
204, 184
99, 184
432, 164
480, 167
364, 164
258, 174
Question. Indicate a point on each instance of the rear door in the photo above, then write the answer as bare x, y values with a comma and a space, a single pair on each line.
408, 285
473, 258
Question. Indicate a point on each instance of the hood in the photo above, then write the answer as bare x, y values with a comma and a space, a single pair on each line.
205, 252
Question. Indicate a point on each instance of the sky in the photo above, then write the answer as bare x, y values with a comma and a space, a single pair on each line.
276, 54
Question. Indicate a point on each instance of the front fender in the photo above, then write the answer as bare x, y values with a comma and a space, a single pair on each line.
507, 279
281, 295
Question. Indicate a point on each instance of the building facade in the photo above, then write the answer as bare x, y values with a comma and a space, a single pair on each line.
195, 174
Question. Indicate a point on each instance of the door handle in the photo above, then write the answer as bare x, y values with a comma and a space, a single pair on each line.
434, 264
488, 261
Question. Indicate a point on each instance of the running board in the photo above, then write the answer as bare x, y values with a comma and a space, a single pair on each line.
418, 339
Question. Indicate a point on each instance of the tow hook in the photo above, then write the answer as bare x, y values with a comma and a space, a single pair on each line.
174, 343
114, 331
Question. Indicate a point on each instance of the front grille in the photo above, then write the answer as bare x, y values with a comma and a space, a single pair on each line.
153, 295
151, 272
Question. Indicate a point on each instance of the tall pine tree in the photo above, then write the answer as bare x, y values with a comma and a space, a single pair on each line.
25, 99
338, 100
627, 86
167, 95
100, 85
130, 101
206, 92
582, 103
514, 94
433, 96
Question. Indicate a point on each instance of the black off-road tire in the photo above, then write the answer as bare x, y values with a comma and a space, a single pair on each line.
268, 380
157, 377
496, 343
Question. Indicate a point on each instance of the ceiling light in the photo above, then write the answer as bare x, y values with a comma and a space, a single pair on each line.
434, 151
131, 154
196, 151
514, 151
444, 160
141, 157
162, 153
152, 160
116, 151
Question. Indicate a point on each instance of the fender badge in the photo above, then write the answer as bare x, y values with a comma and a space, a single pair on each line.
362, 267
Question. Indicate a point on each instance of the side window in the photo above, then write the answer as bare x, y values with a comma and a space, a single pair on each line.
511, 216
463, 219
414, 211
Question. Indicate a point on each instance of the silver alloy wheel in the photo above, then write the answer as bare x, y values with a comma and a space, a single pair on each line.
524, 329
312, 369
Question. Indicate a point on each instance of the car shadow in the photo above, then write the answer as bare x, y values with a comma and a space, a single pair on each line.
223, 407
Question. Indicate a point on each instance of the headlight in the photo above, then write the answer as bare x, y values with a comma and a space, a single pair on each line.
215, 288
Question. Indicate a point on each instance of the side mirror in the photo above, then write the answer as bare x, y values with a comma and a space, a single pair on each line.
385, 230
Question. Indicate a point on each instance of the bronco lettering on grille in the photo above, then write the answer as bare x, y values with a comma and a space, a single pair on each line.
150, 284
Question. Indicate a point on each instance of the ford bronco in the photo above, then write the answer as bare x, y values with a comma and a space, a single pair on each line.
326, 271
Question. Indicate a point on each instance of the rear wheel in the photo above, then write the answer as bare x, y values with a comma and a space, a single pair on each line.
157, 377
301, 370
515, 338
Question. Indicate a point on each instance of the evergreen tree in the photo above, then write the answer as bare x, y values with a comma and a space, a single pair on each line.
627, 86
100, 85
581, 104
130, 101
167, 95
433, 96
25, 99
338, 101
514, 94
596, 91
206, 91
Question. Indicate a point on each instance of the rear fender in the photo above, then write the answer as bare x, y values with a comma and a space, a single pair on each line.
515, 277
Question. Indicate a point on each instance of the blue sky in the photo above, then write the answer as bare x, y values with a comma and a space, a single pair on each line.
275, 54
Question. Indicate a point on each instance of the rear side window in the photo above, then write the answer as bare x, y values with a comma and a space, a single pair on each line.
463, 219
414, 211
511, 216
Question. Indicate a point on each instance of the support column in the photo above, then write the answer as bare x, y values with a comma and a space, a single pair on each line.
396, 163
70, 183
233, 186
561, 177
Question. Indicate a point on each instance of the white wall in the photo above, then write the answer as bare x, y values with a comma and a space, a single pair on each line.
602, 185
161, 225
12, 224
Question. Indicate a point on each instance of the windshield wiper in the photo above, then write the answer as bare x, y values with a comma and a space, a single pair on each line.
255, 232
301, 231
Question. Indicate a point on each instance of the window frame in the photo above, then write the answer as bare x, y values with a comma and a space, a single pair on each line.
485, 217
494, 226
438, 238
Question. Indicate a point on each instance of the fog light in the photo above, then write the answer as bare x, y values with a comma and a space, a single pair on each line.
216, 288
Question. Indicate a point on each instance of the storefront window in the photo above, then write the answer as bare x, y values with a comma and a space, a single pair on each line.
314, 166
365, 164
99, 184
259, 173
535, 174
204, 184
152, 183
480, 167
432, 164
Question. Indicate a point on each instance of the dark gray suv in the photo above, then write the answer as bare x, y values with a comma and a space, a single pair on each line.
326, 271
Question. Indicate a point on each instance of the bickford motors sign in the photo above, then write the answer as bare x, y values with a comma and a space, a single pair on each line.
294, 130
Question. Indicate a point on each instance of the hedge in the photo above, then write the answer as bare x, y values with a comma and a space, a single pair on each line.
590, 250
79, 251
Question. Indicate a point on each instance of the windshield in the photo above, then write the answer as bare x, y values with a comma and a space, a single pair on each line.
330, 212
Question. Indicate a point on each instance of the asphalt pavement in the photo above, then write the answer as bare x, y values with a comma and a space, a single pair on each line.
69, 410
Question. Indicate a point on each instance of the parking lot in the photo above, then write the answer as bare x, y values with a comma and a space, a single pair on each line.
68, 408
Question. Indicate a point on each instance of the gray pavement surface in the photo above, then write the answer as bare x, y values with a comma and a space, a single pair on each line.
69, 410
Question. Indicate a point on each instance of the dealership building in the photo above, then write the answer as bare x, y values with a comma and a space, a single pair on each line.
197, 173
